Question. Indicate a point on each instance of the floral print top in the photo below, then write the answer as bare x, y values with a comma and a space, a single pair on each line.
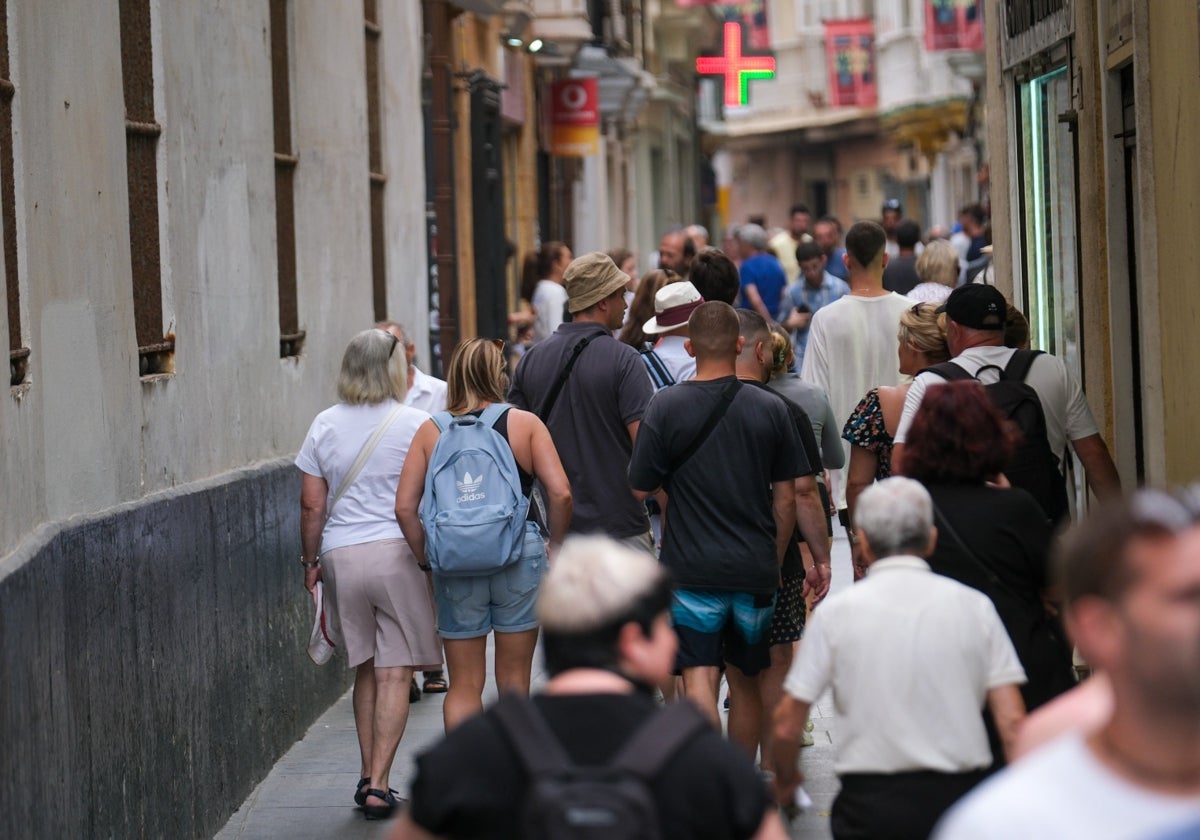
865, 428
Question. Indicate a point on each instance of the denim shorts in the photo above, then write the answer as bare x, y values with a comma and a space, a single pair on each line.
470, 607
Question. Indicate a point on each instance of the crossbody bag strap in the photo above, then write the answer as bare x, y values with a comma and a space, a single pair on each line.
364, 454
714, 417
538, 748
552, 397
993, 578
658, 739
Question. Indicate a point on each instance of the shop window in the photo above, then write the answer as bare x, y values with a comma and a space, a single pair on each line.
375, 157
291, 337
155, 351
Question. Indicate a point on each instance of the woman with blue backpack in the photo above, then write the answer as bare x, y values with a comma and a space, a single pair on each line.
463, 505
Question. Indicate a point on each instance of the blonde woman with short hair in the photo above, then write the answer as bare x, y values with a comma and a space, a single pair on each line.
872, 425
938, 269
470, 607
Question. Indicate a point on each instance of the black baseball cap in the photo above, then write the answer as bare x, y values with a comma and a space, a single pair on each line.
976, 306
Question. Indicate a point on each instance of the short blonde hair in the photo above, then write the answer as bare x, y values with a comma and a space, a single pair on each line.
595, 581
371, 369
921, 328
938, 263
477, 374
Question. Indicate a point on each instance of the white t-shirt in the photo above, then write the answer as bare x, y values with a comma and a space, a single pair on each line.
675, 358
1062, 791
910, 656
852, 348
367, 512
427, 393
1068, 416
549, 298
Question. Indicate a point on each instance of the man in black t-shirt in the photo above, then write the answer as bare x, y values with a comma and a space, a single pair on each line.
607, 639
731, 507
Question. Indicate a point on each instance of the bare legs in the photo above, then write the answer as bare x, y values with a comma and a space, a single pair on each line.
380, 715
745, 709
700, 684
467, 664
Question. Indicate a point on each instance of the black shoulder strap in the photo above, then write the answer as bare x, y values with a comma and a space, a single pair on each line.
1018, 366
723, 402
949, 371
536, 745
556, 389
657, 740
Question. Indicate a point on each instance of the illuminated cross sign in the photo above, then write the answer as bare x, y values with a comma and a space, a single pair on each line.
737, 69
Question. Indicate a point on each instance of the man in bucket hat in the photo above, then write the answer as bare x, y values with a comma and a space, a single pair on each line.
591, 391
673, 305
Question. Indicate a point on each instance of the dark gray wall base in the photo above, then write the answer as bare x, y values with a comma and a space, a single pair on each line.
152, 661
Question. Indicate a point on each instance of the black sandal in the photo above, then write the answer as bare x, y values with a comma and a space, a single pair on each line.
379, 812
360, 795
435, 683
414, 691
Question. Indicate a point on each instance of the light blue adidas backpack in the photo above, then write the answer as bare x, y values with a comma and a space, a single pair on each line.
473, 509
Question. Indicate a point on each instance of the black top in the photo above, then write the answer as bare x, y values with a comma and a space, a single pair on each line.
720, 525
900, 275
471, 785
607, 390
1007, 532
501, 428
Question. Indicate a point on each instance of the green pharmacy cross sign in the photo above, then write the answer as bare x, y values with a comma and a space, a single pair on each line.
738, 69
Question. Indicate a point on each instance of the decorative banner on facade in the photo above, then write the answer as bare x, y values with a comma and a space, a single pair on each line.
850, 55
575, 117
736, 68
953, 25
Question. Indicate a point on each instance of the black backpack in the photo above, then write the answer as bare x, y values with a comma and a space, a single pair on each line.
1033, 466
611, 801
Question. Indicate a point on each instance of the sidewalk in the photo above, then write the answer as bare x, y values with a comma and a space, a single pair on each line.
308, 794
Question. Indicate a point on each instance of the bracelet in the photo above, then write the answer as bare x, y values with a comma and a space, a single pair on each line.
309, 564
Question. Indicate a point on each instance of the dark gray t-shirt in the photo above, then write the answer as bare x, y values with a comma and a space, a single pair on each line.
720, 524
607, 390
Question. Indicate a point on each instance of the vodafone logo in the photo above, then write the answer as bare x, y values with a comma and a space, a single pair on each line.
573, 96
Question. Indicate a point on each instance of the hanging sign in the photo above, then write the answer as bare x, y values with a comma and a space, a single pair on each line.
574, 117
953, 25
736, 68
850, 54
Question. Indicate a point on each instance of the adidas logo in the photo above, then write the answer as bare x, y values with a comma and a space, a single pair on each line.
468, 487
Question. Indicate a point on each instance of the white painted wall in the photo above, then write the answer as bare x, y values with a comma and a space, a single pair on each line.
86, 433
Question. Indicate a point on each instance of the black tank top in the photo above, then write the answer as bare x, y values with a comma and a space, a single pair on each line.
502, 428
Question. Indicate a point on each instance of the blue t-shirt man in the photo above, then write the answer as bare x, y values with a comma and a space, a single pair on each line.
765, 273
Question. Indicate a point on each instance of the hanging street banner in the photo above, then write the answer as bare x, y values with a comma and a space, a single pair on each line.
575, 117
850, 57
953, 25
735, 67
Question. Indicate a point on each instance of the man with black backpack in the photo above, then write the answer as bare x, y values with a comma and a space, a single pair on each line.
593, 756
1032, 389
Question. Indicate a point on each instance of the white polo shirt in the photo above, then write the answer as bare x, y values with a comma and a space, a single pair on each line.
427, 393
1068, 416
910, 656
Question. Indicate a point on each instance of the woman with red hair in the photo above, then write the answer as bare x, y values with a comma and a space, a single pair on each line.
990, 536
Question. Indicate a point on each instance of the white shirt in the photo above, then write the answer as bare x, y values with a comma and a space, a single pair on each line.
675, 358
549, 298
910, 656
1068, 416
367, 512
851, 349
1063, 791
427, 393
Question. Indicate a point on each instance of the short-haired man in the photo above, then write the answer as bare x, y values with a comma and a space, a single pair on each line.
975, 324
890, 215
900, 276
911, 657
1131, 579
762, 277
699, 236
827, 233
715, 276
815, 289
675, 251
727, 457
595, 415
784, 243
852, 341
607, 641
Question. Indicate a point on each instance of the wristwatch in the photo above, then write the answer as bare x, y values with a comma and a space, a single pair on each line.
309, 564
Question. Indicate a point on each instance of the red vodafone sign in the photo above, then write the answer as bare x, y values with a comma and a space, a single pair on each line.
574, 117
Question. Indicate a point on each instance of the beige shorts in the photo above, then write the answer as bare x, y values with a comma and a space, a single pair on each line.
383, 605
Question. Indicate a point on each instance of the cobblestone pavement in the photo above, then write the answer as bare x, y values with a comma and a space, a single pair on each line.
307, 795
